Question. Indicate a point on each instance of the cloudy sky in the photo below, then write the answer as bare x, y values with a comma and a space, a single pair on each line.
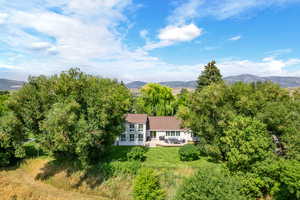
149, 40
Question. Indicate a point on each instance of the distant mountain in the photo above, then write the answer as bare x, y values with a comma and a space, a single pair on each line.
6, 84
283, 81
135, 84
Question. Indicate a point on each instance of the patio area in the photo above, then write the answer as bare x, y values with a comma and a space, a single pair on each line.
168, 142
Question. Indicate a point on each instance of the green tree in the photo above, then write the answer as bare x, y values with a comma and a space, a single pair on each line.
3, 106
210, 184
283, 121
183, 97
147, 186
245, 142
211, 109
72, 113
211, 74
156, 100
11, 139
277, 177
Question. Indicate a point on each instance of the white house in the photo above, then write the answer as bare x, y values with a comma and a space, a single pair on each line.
144, 130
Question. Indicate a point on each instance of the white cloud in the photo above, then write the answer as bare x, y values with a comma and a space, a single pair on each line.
143, 34
268, 66
220, 9
185, 12
87, 35
40, 45
3, 17
174, 34
235, 38
180, 33
279, 52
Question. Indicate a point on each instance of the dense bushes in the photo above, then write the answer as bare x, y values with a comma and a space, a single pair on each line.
277, 177
117, 168
249, 127
137, 154
11, 139
72, 114
147, 186
210, 184
245, 141
189, 152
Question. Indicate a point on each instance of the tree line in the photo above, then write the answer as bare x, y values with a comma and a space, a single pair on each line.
253, 129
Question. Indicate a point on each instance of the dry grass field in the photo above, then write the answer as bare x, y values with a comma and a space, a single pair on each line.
44, 179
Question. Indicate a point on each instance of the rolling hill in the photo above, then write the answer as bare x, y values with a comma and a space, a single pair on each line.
283, 81
6, 84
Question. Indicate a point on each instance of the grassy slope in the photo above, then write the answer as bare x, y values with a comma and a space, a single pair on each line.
43, 178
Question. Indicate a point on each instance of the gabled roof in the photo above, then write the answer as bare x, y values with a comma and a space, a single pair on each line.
136, 118
164, 123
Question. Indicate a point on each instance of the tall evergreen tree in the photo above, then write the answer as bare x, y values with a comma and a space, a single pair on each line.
211, 74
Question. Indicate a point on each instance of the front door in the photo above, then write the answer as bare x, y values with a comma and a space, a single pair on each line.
153, 134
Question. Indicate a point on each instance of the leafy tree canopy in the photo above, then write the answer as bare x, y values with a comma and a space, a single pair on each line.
3, 97
210, 184
72, 114
156, 100
11, 139
245, 141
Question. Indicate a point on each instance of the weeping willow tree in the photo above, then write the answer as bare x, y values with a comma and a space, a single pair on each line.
156, 100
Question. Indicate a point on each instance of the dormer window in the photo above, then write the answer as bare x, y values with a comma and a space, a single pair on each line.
131, 127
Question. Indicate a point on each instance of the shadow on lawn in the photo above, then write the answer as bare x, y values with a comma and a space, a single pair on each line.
112, 163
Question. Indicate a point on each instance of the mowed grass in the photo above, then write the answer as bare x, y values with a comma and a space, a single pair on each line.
168, 157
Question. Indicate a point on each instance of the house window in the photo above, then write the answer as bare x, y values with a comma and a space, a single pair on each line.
131, 137
177, 133
168, 133
123, 137
131, 127
172, 133
140, 137
141, 127
153, 134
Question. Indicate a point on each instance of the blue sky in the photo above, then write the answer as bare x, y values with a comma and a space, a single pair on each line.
149, 40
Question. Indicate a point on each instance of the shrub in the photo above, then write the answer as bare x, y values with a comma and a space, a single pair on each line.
11, 138
129, 167
245, 142
189, 152
118, 168
277, 177
147, 186
137, 153
210, 184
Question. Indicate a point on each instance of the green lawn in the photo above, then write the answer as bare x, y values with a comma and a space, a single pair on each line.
167, 157
159, 157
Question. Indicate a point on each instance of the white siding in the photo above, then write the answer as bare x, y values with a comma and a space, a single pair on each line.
135, 132
184, 135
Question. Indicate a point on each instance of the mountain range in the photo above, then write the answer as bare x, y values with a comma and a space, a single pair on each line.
283, 81
6, 84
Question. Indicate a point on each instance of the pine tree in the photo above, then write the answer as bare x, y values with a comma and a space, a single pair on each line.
211, 74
